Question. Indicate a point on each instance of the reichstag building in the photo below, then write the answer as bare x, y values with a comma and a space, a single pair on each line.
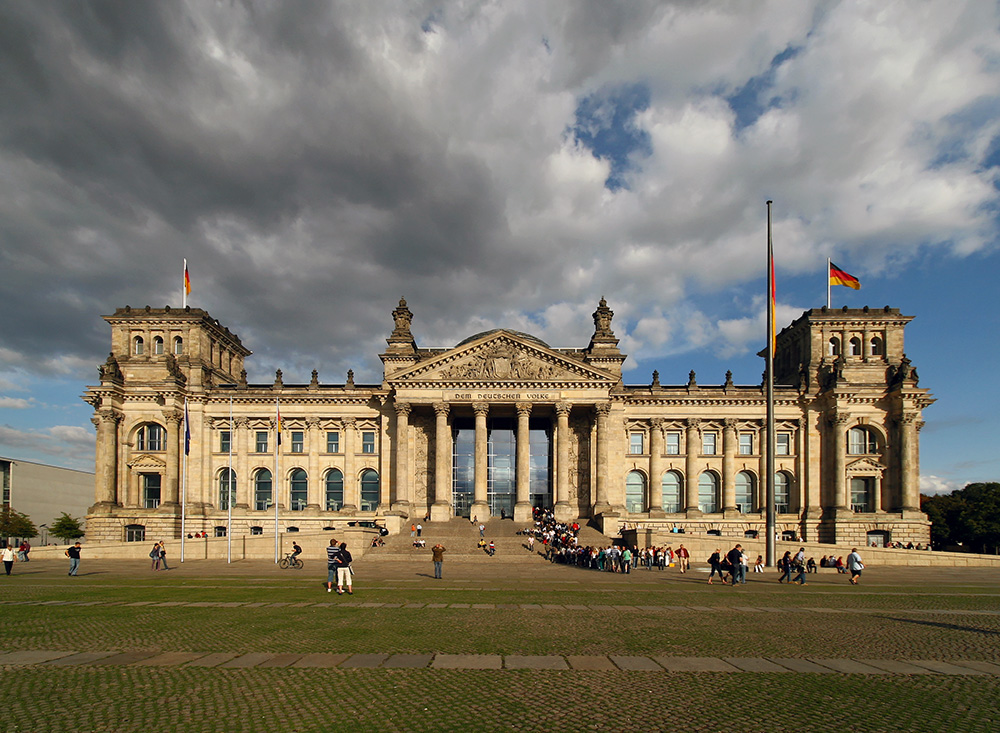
503, 422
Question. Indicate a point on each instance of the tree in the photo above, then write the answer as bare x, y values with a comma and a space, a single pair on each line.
66, 528
16, 524
969, 517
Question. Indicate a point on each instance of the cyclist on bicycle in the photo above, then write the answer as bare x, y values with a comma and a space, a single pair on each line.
296, 550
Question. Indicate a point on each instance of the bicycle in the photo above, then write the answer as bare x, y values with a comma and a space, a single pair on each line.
290, 561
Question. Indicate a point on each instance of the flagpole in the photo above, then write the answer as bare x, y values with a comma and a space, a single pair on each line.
184, 290
274, 486
229, 486
184, 476
828, 266
769, 463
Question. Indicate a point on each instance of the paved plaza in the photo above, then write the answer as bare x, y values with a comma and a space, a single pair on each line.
494, 646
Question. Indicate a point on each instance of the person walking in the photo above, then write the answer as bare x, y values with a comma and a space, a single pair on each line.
684, 558
8, 557
531, 543
163, 555
735, 557
154, 556
855, 565
715, 561
73, 553
785, 567
482, 530
23, 550
344, 571
437, 555
332, 551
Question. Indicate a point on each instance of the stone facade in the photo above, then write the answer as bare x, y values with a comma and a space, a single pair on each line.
502, 422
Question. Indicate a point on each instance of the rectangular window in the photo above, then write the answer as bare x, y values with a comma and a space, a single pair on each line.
261, 443
225, 441
367, 442
673, 444
333, 441
746, 444
298, 441
708, 441
783, 444
635, 444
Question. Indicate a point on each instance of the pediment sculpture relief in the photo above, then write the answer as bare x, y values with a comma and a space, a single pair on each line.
502, 362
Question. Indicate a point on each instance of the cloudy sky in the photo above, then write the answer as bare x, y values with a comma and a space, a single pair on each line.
498, 164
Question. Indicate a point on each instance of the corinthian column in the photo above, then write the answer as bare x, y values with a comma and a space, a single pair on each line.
441, 509
314, 488
729, 466
400, 447
909, 473
522, 509
480, 504
656, 467
241, 429
839, 425
170, 496
106, 454
603, 413
563, 511
691, 468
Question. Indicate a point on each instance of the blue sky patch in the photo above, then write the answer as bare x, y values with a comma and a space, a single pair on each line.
752, 100
605, 123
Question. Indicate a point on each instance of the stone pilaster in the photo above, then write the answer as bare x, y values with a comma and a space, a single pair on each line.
171, 488
243, 480
729, 447
656, 468
314, 492
352, 491
603, 437
522, 509
106, 453
693, 447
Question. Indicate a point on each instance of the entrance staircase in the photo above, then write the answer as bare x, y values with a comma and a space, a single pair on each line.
460, 536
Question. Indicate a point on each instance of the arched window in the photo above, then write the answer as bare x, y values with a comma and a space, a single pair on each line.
178, 345
138, 345
671, 486
262, 490
635, 492
334, 490
861, 442
744, 492
157, 345
781, 494
877, 347
708, 492
369, 490
227, 479
834, 347
149, 437
855, 346
300, 490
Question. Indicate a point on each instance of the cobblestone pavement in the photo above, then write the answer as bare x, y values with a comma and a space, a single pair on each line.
210, 647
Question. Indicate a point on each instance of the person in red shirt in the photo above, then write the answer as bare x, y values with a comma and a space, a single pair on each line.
684, 557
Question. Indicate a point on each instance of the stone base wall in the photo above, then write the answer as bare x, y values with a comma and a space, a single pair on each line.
850, 530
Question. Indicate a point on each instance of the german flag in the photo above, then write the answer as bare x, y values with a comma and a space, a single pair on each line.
839, 277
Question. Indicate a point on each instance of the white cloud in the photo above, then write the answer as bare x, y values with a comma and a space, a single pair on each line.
14, 403
932, 485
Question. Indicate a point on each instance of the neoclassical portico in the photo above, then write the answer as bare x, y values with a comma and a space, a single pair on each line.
503, 422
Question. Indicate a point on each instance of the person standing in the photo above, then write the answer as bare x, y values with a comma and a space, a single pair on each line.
684, 558
8, 558
482, 530
626, 560
420, 529
413, 530
531, 543
154, 556
437, 555
344, 572
332, 551
23, 550
735, 557
855, 565
73, 553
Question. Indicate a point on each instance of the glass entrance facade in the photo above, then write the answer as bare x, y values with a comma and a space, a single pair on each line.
501, 466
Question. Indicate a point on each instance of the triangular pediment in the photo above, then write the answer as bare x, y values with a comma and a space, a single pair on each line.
868, 465
501, 357
147, 462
